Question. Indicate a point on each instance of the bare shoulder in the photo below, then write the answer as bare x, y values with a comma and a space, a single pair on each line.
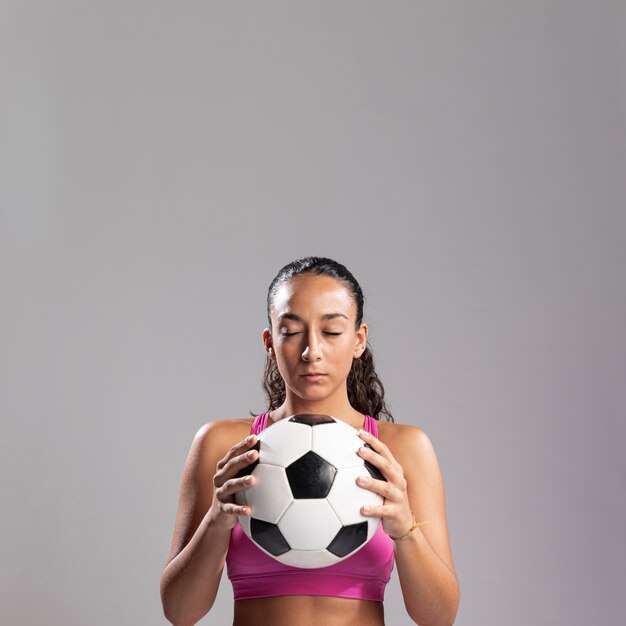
404, 440
412, 448
223, 432
209, 446
213, 440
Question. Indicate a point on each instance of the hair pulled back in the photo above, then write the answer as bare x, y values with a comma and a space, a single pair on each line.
365, 390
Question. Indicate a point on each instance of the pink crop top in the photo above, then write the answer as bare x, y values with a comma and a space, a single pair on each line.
363, 575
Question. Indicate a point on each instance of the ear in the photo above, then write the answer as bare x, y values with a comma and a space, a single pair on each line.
267, 342
361, 340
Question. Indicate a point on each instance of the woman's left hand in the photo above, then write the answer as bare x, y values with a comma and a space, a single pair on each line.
395, 511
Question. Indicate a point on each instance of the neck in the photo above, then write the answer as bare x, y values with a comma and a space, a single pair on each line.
341, 410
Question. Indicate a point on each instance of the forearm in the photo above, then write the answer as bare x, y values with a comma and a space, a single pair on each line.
429, 588
190, 581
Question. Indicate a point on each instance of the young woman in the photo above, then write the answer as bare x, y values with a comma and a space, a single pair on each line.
317, 361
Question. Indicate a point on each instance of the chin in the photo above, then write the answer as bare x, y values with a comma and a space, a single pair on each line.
311, 394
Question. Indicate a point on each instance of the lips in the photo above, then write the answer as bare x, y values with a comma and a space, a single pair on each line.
313, 376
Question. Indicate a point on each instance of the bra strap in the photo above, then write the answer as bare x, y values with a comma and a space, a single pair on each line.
371, 426
259, 423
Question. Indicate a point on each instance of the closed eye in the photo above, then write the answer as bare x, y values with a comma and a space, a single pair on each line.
297, 333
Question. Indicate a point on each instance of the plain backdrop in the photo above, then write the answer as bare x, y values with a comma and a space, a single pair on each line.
161, 161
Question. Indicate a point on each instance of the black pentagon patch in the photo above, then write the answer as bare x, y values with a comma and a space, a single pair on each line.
348, 539
248, 469
310, 476
268, 536
312, 419
372, 469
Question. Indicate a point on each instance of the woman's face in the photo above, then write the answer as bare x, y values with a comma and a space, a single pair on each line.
313, 320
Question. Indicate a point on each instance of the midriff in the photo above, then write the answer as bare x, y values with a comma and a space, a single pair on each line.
308, 611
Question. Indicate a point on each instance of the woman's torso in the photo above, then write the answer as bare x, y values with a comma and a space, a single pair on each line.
307, 610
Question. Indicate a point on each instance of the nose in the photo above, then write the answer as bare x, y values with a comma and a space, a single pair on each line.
312, 350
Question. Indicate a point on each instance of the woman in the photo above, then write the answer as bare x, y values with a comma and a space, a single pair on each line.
317, 362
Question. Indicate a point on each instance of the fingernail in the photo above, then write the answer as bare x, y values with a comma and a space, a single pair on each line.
367, 509
250, 454
363, 480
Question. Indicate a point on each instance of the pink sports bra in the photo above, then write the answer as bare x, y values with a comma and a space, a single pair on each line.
363, 575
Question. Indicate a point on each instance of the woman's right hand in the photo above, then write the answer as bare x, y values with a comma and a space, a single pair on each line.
224, 511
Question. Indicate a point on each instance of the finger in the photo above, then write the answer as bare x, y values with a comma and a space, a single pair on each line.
377, 465
237, 449
238, 466
380, 448
375, 444
236, 509
233, 485
375, 511
381, 487
243, 464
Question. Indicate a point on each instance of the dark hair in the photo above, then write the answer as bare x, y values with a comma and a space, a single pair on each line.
365, 390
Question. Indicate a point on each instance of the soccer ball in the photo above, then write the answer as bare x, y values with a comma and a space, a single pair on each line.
305, 501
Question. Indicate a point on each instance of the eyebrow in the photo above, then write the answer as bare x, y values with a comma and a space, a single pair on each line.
297, 318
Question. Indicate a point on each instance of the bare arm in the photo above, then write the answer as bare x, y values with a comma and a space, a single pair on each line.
427, 577
429, 588
206, 514
190, 581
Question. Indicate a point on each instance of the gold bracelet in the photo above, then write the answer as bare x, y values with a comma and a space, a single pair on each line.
413, 527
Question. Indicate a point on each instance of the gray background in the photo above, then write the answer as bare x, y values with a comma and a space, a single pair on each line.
159, 162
